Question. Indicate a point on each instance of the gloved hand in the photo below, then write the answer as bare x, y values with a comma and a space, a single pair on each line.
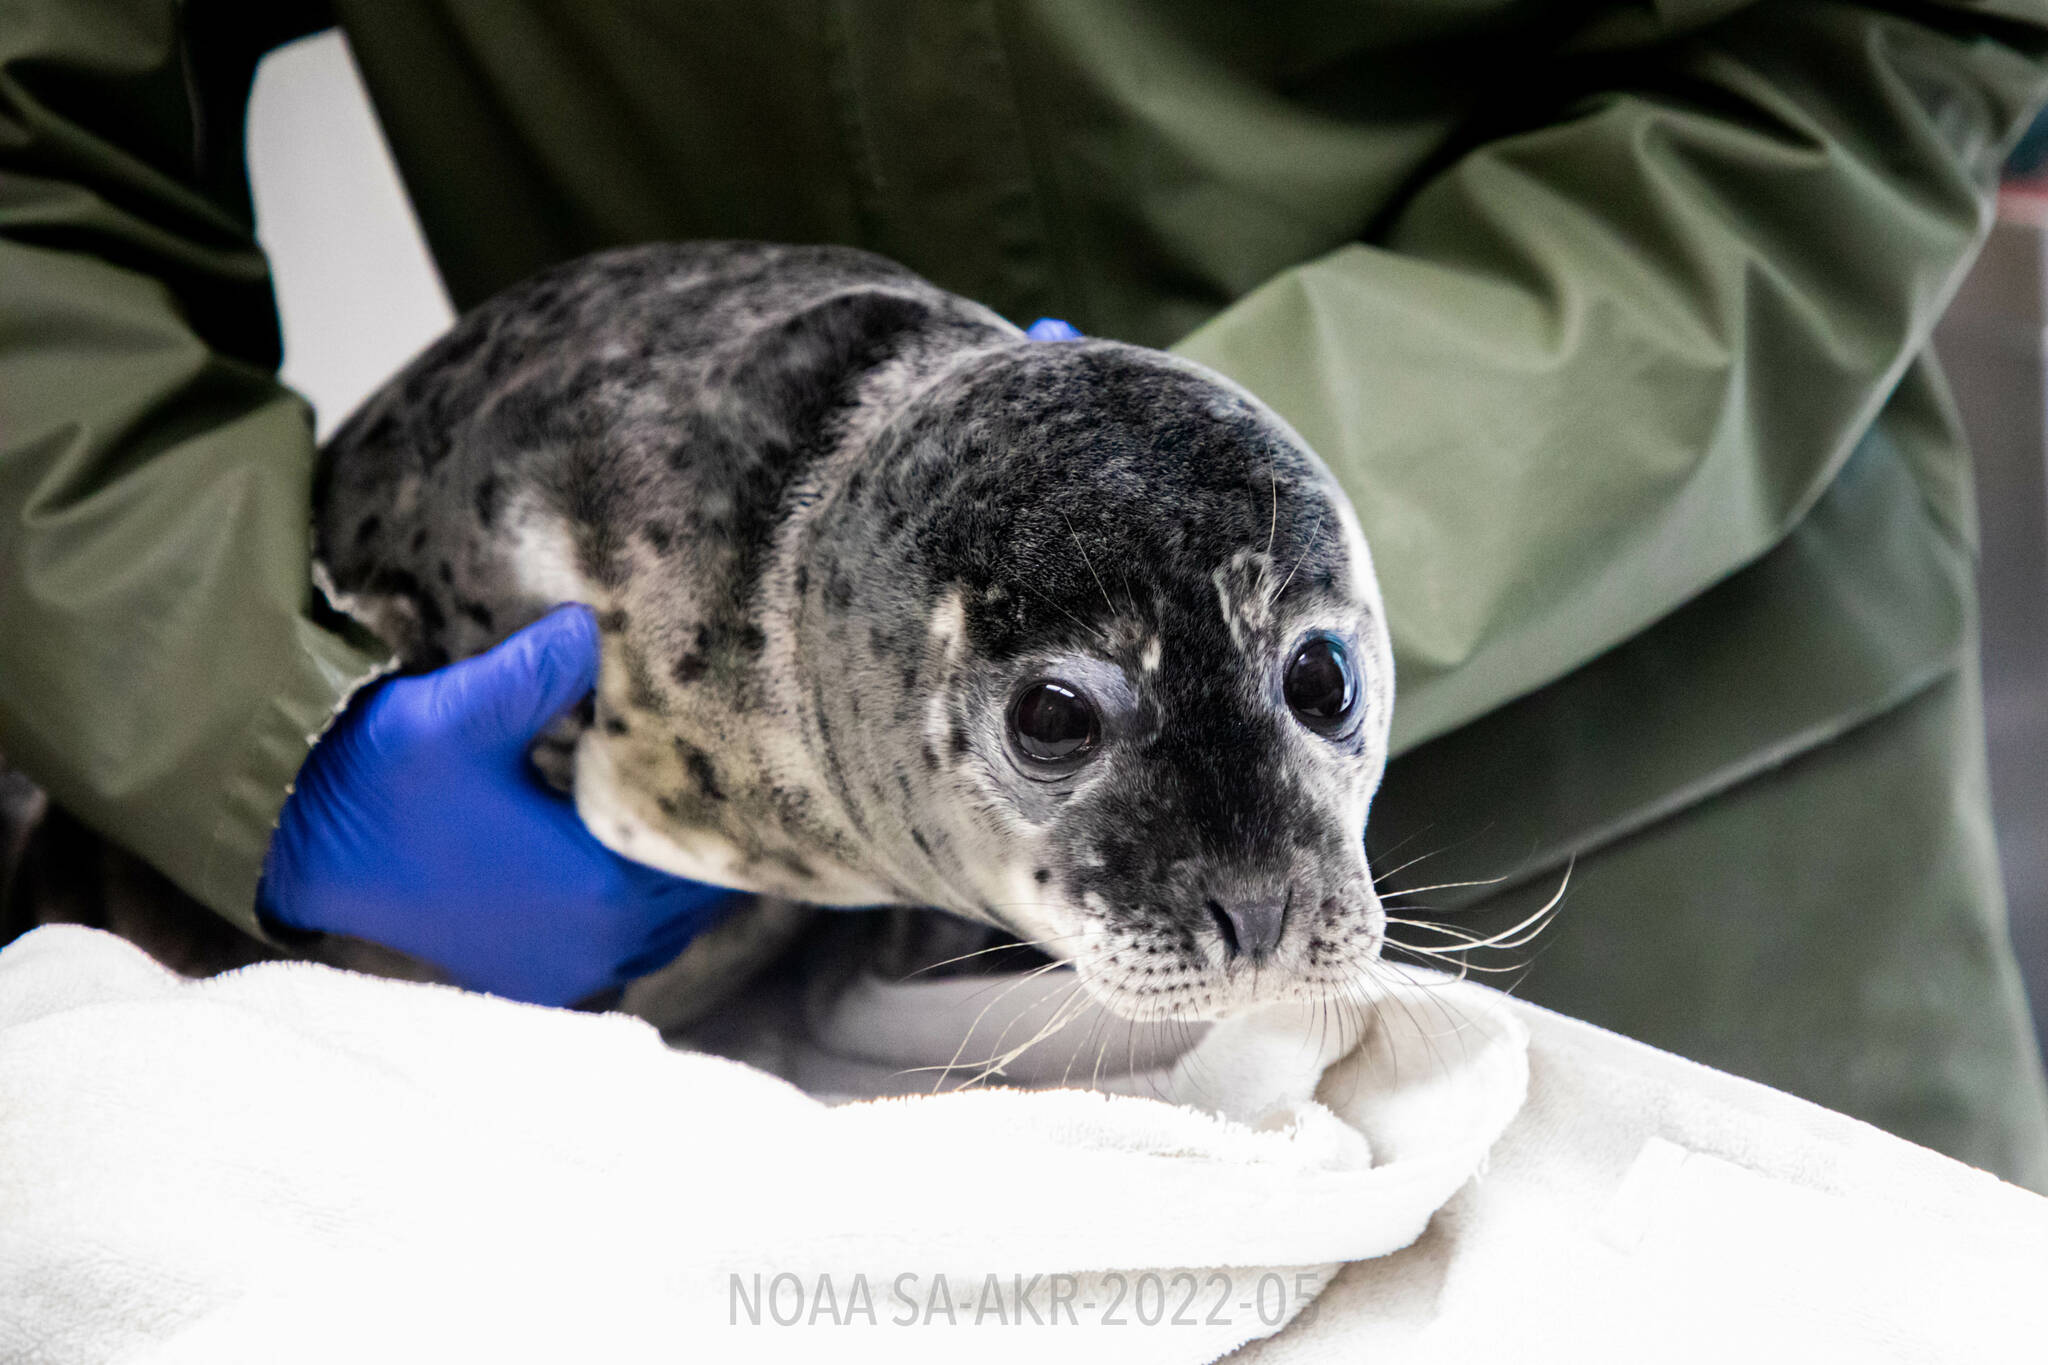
418, 823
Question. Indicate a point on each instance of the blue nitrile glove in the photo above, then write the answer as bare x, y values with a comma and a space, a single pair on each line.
1052, 329
418, 823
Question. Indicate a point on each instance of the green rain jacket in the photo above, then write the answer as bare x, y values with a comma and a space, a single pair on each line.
1589, 305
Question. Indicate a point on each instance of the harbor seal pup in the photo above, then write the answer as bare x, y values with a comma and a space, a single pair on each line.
897, 606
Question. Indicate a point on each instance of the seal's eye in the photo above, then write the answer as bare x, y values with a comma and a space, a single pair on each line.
1320, 687
1054, 723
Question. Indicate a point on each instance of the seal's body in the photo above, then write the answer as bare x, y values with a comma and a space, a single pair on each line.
897, 606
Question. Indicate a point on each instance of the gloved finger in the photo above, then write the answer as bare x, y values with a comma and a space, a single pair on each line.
500, 699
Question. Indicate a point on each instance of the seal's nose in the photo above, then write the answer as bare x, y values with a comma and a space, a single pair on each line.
1250, 926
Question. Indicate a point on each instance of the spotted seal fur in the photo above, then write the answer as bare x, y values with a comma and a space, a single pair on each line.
1077, 639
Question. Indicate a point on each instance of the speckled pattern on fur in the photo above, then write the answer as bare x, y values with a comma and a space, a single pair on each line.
830, 518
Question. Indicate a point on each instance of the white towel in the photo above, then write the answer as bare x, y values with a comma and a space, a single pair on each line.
294, 1163
1644, 1208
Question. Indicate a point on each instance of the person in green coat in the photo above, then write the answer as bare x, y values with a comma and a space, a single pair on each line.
1611, 319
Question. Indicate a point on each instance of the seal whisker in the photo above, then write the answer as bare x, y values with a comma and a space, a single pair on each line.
1273, 525
1050, 603
1198, 1066
994, 1063
1437, 925
1093, 1030
1401, 1001
1514, 936
1089, 562
1314, 531
1460, 964
1397, 871
1431, 1038
1363, 1017
998, 981
1406, 840
1063, 1014
1452, 954
1129, 596
1463, 1026
1101, 1049
986, 1066
998, 1059
1131, 1059
1463, 940
1421, 989
998, 948
1446, 886
968, 1036
1379, 877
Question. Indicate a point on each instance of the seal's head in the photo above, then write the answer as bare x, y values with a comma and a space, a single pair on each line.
1103, 662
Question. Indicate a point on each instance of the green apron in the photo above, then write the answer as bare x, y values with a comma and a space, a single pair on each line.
1611, 319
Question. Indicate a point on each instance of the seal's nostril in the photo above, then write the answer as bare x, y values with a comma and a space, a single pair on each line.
1250, 928
1224, 927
